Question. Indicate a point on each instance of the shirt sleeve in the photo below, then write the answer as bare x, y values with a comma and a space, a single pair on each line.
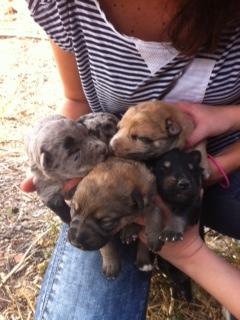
53, 17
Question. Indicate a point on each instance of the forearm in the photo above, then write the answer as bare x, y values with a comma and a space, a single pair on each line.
228, 159
215, 275
75, 103
231, 114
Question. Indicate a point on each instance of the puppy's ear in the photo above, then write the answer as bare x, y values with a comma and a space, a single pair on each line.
137, 199
46, 159
196, 156
172, 127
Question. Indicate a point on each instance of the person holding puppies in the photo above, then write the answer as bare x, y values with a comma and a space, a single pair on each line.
115, 54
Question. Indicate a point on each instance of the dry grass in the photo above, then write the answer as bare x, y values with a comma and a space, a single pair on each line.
30, 88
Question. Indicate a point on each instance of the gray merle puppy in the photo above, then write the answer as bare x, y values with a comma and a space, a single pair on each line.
60, 149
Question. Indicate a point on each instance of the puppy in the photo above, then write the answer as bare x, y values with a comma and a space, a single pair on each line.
179, 182
151, 128
179, 178
60, 149
109, 198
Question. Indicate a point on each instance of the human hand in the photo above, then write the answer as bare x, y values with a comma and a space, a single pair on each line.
176, 252
27, 184
209, 121
179, 251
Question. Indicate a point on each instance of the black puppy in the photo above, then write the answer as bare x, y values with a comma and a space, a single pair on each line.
179, 183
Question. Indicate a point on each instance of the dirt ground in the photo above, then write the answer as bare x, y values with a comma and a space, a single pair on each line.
29, 89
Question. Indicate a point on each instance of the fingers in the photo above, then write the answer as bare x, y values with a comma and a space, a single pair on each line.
27, 185
188, 108
71, 184
195, 111
197, 135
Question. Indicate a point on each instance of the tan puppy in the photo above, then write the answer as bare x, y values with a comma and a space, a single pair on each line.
110, 197
152, 128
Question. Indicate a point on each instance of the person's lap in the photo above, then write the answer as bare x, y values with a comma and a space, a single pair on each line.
75, 289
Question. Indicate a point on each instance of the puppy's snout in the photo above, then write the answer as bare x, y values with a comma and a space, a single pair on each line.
101, 148
78, 238
183, 184
72, 234
115, 145
112, 142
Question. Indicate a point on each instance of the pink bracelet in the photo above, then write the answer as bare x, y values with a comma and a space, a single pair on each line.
226, 183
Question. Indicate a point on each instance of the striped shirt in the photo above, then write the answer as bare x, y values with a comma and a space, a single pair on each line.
113, 68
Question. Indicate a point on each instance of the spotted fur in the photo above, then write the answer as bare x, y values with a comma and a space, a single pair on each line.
60, 149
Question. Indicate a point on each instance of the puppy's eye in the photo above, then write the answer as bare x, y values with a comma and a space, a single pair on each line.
190, 166
143, 139
108, 224
134, 137
68, 142
76, 157
107, 126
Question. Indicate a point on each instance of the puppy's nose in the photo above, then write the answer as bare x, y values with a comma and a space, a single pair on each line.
183, 184
77, 238
114, 145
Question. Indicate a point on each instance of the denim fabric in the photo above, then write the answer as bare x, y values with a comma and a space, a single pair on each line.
75, 289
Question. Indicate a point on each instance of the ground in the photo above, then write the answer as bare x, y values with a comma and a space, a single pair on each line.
29, 89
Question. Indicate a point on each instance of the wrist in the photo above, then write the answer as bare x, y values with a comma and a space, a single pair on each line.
228, 159
73, 109
190, 261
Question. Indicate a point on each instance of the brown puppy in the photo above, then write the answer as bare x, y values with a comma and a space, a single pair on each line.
110, 197
152, 128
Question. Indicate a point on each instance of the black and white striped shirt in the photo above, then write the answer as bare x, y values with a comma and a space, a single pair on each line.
114, 70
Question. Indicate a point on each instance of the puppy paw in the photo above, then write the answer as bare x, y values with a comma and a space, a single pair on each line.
128, 239
111, 270
145, 267
155, 245
130, 233
170, 236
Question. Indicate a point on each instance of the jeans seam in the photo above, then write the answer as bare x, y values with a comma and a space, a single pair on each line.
55, 268
144, 301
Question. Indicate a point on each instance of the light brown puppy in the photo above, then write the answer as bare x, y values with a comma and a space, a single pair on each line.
110, 197
152, 128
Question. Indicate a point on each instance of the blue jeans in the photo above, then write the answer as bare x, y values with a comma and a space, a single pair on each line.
75, 289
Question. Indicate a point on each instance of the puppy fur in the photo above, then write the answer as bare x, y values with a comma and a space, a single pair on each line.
109, 198
60, 149
179, 182
151, 128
